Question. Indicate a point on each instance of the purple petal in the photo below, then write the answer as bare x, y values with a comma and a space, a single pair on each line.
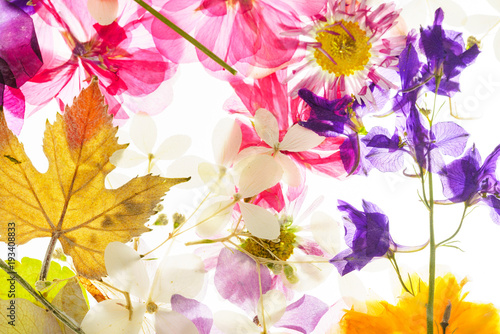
449, 137
494, 204
409, 66
417, 136
236, 279
303, 315
347, 261
385, 153
490, 164
198, 313
20, 57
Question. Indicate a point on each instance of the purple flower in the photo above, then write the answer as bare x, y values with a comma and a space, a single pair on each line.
366, 234
465, 180
446, 56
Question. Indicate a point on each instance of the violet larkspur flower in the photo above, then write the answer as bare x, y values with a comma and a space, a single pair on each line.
350, 48
466, 180
20, 57
446, 56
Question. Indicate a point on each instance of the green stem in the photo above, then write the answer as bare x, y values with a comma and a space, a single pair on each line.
392, 258
432, 261
186, 36
55, 311
458, 229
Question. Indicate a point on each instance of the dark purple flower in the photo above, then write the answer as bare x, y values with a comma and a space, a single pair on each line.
466, 180
446, 56
366, 234
409, 68
386, 152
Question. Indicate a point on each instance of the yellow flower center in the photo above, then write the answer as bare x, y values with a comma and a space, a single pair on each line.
343, 48
280, 249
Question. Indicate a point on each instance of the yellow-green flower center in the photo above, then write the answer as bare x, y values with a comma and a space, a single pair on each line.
343, 48
280, 249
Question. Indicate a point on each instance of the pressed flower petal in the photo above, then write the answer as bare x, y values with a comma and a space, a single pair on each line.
303, 315
127, 158
126, 269
291, 172
260, 222
143, 132
236, 279
171, 322
213, 219
173, 147
186, 166
198, 313
111, 316
299, 139
103, 11
326, 232
231, 322
258, 174
266, 127
449, 137
311, 271
179, 274
272, 307
226, 141
479, 24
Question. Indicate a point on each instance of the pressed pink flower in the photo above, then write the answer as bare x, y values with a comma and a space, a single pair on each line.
349, 49
245, 34
271, 94
75, 48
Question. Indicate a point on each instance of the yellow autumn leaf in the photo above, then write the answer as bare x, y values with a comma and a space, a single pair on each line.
69, 202
25, 317
71, 301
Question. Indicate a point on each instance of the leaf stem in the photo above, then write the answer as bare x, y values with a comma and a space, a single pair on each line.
458, 229
54, 310
432, 260
48, 257
392, 258
186, 36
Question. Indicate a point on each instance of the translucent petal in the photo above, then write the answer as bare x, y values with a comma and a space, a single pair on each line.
171, 322
258, 174
173, 147
143, 132
230, 323
226, 141
253, 150
480, 24
103, 11
326, 232
274, 303
291, 172
266, 127
179, 274
186, 166
495, 4
311, 271
115, 180
260, 222
299, 139
212, 220
111, 317
127, 158
455, 15
352, 289
126, 269
496, 45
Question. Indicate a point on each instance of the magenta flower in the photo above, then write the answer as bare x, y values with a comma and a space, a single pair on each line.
245, 34
126, 70
349, 49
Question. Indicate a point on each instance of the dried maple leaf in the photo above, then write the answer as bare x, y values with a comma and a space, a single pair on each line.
69, 202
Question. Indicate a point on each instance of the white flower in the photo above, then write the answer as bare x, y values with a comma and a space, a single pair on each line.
182, 274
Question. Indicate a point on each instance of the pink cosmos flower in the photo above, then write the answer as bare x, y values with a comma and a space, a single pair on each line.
245, 34
352, 47
75, 48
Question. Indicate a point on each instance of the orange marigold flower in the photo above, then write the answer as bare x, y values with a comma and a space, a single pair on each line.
409, 315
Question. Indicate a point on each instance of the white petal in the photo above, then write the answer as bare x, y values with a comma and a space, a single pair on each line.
212, 220
258, 174
115, 180
126, 269
103, 11
311, 271
266, 127
326, 232
260, 222
171, 322
291, 172
253, 150
352, 289
179, 274
127, 158
173, 147
495, 4
479, 24
299, 139
111, 317
230, 323
226, 141
186, 166
496, 45
274, 303
143, 132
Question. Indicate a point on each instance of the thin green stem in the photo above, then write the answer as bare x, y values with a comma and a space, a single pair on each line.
464, 213
55, 311
432, 261
186, 36
392, 258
